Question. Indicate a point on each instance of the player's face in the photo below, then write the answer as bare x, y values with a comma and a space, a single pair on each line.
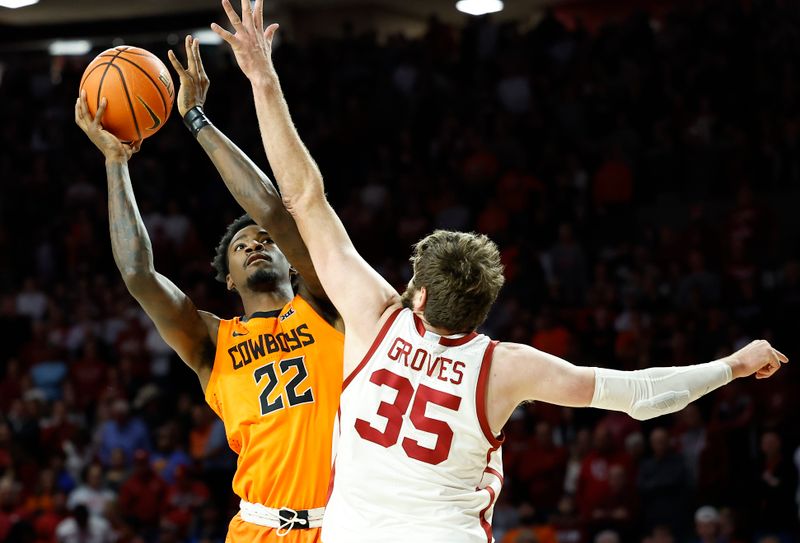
255, 262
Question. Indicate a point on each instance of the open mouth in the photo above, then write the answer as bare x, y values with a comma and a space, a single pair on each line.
255, 257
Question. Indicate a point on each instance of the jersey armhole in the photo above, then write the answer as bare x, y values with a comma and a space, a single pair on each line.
378, 340
481, 392
222, 332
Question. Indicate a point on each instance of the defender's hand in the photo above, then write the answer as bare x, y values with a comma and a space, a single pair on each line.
111, 147
759, 358
194, 81
251, 43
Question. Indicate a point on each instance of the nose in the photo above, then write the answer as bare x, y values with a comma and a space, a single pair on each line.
254, 245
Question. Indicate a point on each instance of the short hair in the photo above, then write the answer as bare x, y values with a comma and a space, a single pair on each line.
220, 262
462, 275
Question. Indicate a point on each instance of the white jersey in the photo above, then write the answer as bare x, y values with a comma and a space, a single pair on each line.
416, 459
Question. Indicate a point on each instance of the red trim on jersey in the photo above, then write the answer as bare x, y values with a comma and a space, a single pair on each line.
373, 347
443, 340
485, 524
480, 396
494, 472
456, 341
419, 325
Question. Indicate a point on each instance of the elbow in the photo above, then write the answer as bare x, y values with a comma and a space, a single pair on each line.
137, 279
311, 194
641, 417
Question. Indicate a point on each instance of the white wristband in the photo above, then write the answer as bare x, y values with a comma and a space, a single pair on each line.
648, 393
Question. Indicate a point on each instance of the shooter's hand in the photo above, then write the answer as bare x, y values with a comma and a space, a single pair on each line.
111, 147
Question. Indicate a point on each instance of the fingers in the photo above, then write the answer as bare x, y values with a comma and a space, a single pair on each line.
84, 107
176, 64
768, 370
78, 113
187, 43
191, 62
247, 15
781, 357
198, 63
222, 33
258, 16
233, 17
135, 146
98, 117
269, 33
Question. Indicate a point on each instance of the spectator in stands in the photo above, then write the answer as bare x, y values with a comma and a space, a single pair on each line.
593, 484
123, 431
92, 493
143, 497
777, 484
541, 472
663, 483
80, 527
707, 525
167, 457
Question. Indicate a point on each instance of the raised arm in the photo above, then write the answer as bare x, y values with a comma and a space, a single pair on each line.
521, 373
250, 186
191, 333
359, 293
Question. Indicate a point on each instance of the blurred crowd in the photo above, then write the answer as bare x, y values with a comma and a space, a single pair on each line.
640, 182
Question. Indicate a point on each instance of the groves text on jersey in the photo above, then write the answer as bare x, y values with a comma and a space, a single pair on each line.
249, 350
442, 368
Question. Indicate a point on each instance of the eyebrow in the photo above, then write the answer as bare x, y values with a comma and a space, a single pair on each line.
260, 232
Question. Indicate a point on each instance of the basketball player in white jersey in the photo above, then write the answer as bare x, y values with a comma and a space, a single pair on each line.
426, 397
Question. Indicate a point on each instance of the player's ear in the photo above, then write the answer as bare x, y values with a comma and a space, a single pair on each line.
293, 272
420, 299
229, 283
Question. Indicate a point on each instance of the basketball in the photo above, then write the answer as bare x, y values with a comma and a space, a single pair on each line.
138, 88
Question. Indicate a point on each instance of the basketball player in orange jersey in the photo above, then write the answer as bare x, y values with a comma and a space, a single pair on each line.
425, 396
273, 376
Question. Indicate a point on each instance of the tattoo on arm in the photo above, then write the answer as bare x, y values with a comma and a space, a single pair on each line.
130, 243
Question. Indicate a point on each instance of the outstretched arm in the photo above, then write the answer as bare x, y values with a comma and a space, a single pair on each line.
359, 293
190, 333
522, 373
250, 186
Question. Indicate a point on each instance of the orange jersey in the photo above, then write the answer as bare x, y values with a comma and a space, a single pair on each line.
275, 384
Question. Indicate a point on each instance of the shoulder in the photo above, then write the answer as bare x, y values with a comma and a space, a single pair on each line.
511, 355
321, 306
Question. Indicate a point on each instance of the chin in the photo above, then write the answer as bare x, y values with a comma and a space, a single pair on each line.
263, 280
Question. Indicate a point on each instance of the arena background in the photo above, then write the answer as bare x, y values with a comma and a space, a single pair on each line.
637, 162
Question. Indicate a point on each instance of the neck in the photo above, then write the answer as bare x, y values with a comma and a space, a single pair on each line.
431, 328
254, 302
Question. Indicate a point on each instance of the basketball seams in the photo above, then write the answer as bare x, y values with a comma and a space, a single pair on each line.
138, 54
130, 102
90, 72
102, 78
130, 87
153, 81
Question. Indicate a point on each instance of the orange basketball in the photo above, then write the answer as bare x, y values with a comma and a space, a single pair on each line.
138, 88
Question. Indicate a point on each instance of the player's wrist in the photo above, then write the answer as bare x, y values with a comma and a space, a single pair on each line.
195, 120
265, 80
115, 159
736, 364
